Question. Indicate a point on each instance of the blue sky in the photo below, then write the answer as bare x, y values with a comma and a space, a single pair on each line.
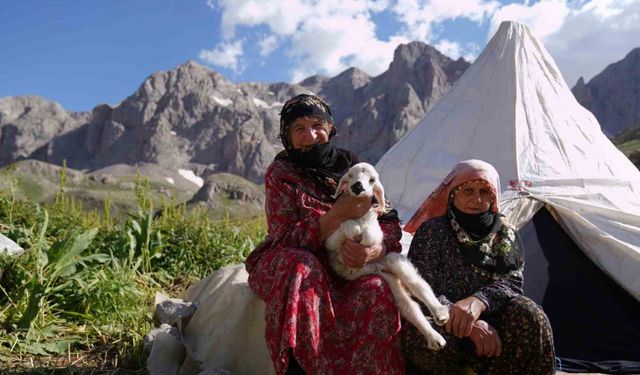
82, 53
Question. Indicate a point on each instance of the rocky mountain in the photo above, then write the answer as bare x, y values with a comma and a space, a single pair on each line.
191, 117
372, 114
28, 123
613, 96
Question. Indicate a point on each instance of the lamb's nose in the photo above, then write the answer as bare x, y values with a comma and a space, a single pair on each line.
357, 188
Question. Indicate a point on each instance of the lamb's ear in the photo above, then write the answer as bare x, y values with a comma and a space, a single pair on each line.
344, 181
378, 192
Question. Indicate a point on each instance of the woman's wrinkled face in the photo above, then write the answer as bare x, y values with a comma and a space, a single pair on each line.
473, 198
307, 131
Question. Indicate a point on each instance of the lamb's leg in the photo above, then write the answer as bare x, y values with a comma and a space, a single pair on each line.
410, 310
401, 266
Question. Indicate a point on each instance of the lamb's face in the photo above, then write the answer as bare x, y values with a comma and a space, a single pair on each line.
361, 180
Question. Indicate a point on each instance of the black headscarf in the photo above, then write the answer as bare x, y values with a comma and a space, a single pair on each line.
487, 240
323, 163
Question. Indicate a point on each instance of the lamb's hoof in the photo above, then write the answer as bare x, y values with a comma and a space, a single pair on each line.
436, 342
441, 315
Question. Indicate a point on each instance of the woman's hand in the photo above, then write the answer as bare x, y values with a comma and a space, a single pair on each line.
349, 207
463, 314
486, 339
356, 255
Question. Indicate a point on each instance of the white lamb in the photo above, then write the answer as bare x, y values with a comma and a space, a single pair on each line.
396, 269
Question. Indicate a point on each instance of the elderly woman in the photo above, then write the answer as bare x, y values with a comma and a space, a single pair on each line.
317, 323
473, 259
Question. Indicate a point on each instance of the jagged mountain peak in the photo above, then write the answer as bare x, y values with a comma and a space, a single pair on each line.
314, 83
15, 106
353, 76
613, 95
192, 117
409, 54
634, 53
28, 123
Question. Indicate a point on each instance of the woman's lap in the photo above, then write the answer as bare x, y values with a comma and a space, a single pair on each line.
331, 324
525, 334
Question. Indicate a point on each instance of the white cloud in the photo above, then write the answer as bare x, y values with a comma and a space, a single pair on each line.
584, 36
449, 48
328, 36
267, 45
226, 55
420, 16
281, 17
543, 18
334, 43
593, 36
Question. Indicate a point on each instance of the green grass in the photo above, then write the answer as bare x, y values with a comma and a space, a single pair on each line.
82, 294
630, 147
629, 143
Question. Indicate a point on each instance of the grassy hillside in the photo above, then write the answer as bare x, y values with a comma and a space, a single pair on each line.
38, 182
81, 296
629, 143
114, 188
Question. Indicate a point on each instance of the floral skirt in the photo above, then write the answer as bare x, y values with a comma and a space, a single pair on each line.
333, 326
525, 334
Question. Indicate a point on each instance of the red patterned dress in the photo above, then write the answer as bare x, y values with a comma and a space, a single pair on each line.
333, 326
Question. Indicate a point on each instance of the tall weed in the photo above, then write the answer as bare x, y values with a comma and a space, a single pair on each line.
87, 281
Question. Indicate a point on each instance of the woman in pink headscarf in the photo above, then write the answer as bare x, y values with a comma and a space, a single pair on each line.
473, 259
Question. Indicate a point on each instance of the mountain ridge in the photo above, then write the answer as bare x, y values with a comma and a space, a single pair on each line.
193, 117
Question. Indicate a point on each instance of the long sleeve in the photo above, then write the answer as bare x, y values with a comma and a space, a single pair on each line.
500, 291
293, 220
425, 252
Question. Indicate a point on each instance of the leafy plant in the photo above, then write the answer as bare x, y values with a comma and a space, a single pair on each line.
87, 282
55, 268
143, 239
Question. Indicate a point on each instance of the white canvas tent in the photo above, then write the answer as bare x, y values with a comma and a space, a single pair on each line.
513, 109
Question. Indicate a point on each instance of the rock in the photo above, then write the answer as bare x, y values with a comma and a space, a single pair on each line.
220, 186
150, 338
166, 352
172, 309
107, 179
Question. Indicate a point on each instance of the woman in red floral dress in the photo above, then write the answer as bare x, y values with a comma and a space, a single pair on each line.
316, 322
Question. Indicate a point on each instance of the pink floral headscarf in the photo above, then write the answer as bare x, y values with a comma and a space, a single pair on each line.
436, 203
